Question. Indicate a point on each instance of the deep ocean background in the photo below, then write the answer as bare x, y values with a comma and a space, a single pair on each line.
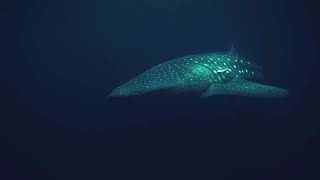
62, 57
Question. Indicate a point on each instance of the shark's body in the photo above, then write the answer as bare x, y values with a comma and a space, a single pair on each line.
208, 74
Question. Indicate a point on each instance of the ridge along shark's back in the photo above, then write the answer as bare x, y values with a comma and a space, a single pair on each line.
209, 74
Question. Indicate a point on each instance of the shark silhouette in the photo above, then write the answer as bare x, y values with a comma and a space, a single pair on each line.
207, 74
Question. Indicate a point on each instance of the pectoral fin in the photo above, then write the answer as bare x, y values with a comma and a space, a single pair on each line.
241, 87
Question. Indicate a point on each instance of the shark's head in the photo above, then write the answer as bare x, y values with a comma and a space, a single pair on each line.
124, 91
131, 88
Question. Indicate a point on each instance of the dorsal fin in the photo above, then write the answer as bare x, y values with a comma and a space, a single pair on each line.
233, 51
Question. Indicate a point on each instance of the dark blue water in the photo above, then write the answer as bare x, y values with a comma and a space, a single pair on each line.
65, 56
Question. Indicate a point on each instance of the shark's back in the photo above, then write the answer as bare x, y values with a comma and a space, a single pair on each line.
225, 65
195, 72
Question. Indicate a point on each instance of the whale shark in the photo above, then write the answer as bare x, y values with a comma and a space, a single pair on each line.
209, 74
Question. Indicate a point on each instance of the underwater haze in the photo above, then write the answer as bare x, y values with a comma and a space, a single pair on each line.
64, 59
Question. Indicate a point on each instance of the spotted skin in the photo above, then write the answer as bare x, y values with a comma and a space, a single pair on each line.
208, 74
